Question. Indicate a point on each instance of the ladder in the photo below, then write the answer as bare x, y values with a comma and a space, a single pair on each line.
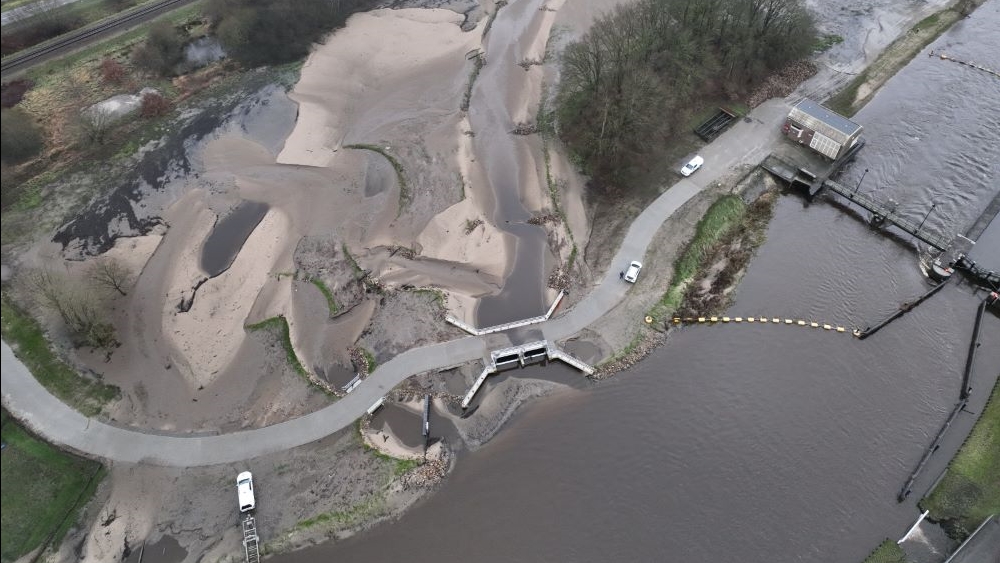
250, 539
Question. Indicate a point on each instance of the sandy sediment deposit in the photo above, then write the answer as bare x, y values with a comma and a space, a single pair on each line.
384, 67
341, 227
209, 334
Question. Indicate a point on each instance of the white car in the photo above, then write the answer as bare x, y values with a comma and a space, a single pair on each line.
692, 165
244, 490
632, 272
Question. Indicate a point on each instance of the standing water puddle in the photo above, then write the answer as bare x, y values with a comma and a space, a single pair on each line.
228, 236
400, 422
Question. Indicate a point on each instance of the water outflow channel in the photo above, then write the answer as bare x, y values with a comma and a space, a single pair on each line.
503, 155
759, 443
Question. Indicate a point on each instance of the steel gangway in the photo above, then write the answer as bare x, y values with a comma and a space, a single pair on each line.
251, 540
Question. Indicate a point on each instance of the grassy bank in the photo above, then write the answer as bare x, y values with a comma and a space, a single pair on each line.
42, 491
331, 303
279, 326
855, 95
354, 515
888, 552
970, 490
404, 191
721, 218
25, 336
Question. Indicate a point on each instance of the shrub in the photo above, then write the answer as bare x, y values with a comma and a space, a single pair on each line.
161, 51
112, 71
13, 92
21, 138
154, 105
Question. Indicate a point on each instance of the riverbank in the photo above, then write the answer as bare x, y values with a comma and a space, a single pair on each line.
862, 88
887, 552
970, 489
379, 184
709, 266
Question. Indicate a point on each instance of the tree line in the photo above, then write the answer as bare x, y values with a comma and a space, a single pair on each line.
632, 79
259, 32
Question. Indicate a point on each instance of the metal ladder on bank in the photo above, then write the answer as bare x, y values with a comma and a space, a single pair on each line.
250, 539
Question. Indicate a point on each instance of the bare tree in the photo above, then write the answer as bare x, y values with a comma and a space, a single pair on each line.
111, 273
79, 310
96, 122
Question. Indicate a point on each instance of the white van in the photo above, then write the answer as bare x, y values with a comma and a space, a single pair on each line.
244, 490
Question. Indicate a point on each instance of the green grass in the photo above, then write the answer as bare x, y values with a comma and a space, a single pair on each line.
179, 16
477, 65
825, 42
370, 358
362, 512
843, 102
279, 324
970, 490
929, 21
893, 58
25, 336
572, 254
546, 127
628, 349
42, 490
330, 302
887, 552
350, 258
434, 294
399, 466
404, 190
349, 517
725, 214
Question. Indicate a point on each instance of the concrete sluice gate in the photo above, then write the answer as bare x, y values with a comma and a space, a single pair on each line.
520, 356
535, 356
508, 361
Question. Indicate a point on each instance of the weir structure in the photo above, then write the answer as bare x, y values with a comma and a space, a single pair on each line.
519, 356
954, 250
882, 211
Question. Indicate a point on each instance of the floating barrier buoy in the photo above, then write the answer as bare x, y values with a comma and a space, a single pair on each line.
649, 319
762, 320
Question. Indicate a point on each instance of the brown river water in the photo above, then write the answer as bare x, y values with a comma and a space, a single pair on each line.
760, 443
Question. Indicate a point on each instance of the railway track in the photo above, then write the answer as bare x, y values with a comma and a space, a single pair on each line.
77, 38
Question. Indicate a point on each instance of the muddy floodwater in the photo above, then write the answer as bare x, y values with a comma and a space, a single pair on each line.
228, 236
522, 293
761, 443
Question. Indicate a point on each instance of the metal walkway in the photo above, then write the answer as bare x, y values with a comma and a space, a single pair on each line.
250, 540
506, 326
882, 212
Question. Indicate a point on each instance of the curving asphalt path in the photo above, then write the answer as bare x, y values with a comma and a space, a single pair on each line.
745, 143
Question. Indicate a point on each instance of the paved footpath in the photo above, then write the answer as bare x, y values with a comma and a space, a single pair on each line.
28, 401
